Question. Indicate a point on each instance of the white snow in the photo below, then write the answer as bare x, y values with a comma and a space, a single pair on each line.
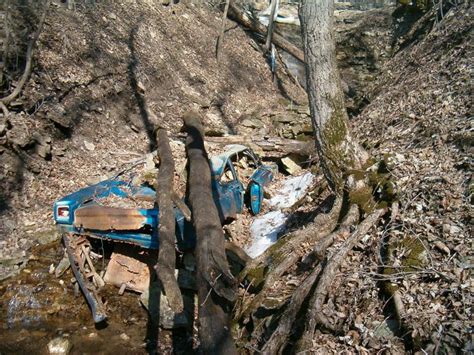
291, 191
266, 228
264, 231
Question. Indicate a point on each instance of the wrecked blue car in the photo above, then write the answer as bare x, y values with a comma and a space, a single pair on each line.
83, 213
97, 212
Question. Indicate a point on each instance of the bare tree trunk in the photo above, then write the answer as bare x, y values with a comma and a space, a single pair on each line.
220, 39
29, 59
338, 152
271, 21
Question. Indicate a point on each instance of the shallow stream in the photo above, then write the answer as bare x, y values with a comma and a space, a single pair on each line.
36, 307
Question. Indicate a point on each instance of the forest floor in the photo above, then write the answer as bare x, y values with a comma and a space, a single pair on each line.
81, 119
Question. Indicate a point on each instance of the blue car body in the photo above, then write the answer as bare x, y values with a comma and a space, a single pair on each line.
228, 196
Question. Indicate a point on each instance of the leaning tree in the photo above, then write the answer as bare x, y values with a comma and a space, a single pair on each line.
353, 179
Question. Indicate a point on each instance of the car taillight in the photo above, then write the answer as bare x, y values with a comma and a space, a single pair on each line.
63, 211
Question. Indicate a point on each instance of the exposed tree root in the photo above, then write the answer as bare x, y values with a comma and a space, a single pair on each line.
315, 314
167, 253
279, 258
280, 336
350, 219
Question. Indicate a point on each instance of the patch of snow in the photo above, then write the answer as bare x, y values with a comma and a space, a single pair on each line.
291, 191
265, 231
266, 228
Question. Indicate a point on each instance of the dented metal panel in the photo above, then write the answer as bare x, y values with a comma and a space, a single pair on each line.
261, 177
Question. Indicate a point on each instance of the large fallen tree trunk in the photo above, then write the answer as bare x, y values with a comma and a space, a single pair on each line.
164, 196
239, 16
216, 285
274, 145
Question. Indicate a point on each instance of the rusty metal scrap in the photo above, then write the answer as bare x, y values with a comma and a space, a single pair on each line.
108, 218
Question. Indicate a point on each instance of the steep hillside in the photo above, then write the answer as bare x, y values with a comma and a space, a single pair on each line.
420, 121
84, 113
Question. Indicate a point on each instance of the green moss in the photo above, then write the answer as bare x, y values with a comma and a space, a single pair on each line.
334, 138
303, 137
412, 257
363, 198
256, 276
415, 257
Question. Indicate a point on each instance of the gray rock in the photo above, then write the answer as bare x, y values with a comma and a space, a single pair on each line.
252, 123
59, 345
89, 146
44, 151
168, 319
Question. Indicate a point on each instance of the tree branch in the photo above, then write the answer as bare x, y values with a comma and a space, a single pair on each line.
29, 59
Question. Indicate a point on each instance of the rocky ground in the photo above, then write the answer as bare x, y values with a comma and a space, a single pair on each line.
81, 119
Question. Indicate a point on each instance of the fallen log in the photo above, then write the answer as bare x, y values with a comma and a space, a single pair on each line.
166, 227
216, 285
239, 16
270, 145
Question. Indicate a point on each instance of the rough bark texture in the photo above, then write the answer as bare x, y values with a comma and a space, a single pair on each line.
216, 285
267, 268
238, 15
167, 253
315, 314
220, 39
268, 42
337, 150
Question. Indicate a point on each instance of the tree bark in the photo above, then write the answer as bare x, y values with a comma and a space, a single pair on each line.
239, 16
271, 20
166, 230
315, 314
220, 39
216, 285
337, 150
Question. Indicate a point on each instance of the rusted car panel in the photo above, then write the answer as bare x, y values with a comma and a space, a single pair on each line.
102, 218
127, 271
